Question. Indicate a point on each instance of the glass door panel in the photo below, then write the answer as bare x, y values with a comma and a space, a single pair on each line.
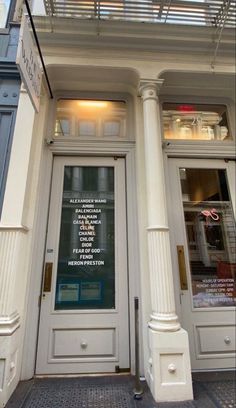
86, 260
211, 236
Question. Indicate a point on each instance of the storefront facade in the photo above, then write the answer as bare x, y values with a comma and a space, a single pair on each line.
126, 190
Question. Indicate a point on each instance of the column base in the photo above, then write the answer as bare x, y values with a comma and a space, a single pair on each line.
169, 374
10, 363
164, 322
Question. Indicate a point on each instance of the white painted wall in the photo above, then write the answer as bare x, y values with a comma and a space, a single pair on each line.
15, 243
14, 240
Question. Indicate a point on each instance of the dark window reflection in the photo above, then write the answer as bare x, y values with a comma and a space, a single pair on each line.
86, 261
210, 230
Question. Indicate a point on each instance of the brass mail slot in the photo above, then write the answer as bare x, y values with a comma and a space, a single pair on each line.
47, 277
182, 268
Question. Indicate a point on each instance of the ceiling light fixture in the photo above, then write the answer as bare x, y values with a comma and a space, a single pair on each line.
93, 104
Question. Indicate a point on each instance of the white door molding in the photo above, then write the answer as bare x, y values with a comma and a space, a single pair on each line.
100, 148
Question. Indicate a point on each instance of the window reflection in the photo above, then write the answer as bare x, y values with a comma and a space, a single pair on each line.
90, 118
211, 236
86, 260
195, 122
4, 9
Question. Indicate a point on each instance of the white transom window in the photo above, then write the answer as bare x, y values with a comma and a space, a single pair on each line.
90, 119
195, 122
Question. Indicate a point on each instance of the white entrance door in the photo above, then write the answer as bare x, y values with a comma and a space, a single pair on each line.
84, 308
203, 237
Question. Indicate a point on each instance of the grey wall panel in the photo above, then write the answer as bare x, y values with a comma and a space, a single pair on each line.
9, 96
4, 41
7, 118
9, 92
9, 39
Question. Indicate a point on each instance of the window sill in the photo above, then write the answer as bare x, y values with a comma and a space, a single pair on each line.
190, 148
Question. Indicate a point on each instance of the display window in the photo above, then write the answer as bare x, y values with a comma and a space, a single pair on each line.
211, 236
86, 263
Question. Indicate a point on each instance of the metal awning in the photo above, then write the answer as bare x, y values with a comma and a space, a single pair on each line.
215, 13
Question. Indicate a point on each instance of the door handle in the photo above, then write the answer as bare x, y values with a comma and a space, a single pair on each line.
182, 268
47, 277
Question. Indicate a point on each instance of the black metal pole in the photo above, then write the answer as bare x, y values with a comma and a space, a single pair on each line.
38, 46
138, 390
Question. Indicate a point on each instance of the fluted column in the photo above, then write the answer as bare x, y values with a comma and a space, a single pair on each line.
12, 240
163, 317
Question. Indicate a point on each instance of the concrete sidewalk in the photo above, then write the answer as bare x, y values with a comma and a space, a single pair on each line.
211, 390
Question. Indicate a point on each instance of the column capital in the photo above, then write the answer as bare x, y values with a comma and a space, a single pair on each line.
150, 88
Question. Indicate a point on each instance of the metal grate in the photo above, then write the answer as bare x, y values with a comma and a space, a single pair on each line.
116, 396
222, 393
117, 392
216, 13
